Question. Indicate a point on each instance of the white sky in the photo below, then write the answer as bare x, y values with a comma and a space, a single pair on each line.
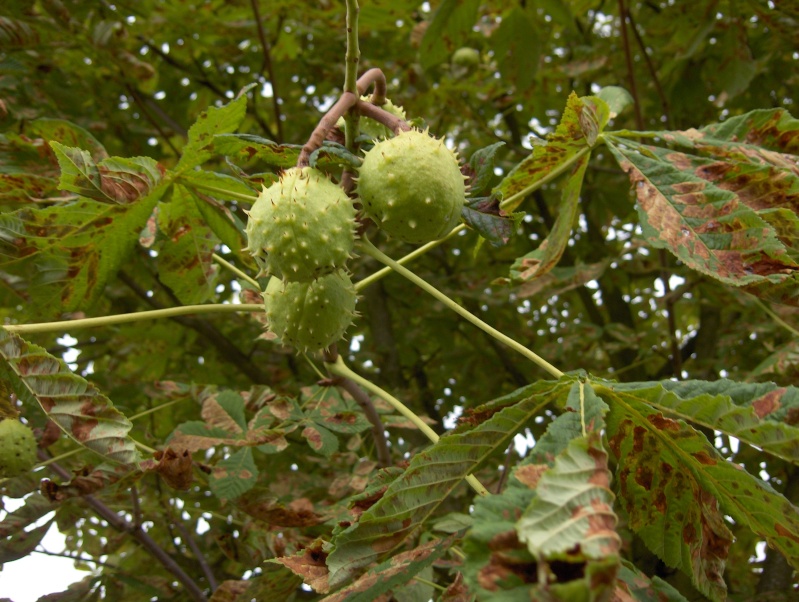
29, 578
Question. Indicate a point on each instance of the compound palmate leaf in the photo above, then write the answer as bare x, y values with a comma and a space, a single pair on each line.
752, 412
430, 478
70, 401
676, 487
723, 199
69, 252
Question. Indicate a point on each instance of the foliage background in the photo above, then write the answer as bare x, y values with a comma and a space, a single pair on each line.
137, 75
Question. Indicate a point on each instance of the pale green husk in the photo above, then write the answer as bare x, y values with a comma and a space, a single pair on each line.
310, 315
301, 227
17, 448
412, 187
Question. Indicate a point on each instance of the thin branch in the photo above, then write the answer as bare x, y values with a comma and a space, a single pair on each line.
138, 100
198, 554
267, 66
147, 542
228, 351
503, 478
639, 118
664, 103
341, 369
362, 398
136, 512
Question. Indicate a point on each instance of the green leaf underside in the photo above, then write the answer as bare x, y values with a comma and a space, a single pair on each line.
35, 507
517, 48
540, 262
69, 400
185, 262
115, 179
675, 488
430, 478
71, 250
721, 202
396, 571
754, 413
234, 475
582, 121
23, 543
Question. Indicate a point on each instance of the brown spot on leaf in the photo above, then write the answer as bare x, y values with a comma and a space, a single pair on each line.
704, 458
662, 423
768, 403
530, 474
783, 532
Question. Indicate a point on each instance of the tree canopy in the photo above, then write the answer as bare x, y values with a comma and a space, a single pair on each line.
587, 390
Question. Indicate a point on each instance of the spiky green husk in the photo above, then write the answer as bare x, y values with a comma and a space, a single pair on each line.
372, 128
310, 315
17, 448
412, 187
301, 227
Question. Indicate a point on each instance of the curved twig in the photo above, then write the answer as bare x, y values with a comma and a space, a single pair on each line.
343, 104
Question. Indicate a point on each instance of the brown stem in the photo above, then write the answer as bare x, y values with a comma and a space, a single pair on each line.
377, 77
392, 122
147, 542
141, 104
327, 122
503, 478
267, 66
639, 118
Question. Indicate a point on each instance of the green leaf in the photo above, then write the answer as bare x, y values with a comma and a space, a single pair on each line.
185, 262
331, 153
26, 188
392, 573
497, 565
480, 169
211, 122
712, 200
19, 545
70, 252
74, 404
541, 261
16, 34
617, 99
448, 30
517, 48
641, 588
34, 508
222, 221
234, 475
114, 179
483, 215
751, 412
675, 486
430, 478
582, 121
320, 439
246, 147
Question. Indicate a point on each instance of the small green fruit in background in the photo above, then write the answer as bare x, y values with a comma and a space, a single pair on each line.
466, 57
412, 187
310, 315
301, 227
17, 448
372, 128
